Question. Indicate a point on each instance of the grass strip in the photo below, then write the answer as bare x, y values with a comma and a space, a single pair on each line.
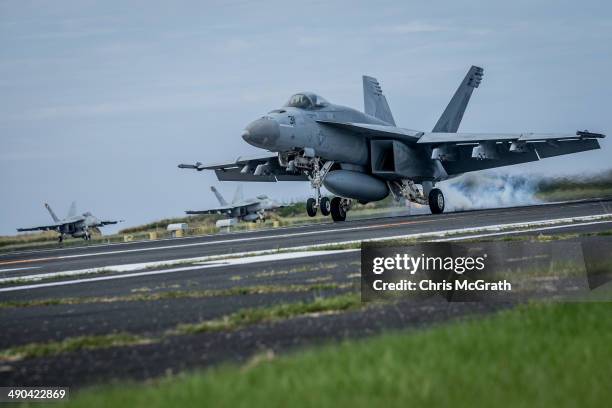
249, 316
71, 344
176, 294
536, 355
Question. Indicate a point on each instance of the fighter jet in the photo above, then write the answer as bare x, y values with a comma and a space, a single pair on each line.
364, 156
78, 226
251, 209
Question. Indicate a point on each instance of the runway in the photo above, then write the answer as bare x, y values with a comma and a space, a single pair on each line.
154, 303
26, 263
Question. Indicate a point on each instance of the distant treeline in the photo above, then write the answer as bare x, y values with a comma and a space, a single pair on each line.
601, 181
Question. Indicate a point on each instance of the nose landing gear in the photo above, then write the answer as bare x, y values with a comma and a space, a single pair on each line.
311, 207
325, 206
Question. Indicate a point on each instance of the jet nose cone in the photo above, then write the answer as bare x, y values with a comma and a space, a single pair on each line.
246, 135
262, 132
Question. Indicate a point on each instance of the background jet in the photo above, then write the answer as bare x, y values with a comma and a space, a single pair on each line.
364, 156
78, 226
251, 209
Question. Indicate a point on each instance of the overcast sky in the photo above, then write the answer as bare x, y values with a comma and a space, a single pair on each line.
100, 100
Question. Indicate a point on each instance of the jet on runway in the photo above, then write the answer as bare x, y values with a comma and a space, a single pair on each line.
251, 209
78, 226
364, 156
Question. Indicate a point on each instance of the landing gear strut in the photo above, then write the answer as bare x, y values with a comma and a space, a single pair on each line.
316, 175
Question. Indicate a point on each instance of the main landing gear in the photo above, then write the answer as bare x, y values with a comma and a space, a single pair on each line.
337, 207
426, 195
436, 201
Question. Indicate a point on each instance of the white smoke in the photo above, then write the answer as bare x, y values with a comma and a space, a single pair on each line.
490, 189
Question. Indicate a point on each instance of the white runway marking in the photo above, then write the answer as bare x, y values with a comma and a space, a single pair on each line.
202, 265
19, 269
464, 237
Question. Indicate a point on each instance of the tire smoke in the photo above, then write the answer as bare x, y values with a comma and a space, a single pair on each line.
489, 189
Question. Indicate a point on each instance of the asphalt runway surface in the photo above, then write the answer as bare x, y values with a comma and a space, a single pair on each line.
15, 264
112, 306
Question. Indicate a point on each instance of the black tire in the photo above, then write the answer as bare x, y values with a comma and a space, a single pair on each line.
338, 212
311, 208
436, 201
325, 206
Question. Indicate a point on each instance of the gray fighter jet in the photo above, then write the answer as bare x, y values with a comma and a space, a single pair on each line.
78, 226
251, 209
364, 156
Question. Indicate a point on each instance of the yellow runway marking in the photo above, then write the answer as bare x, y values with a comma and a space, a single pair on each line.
27, 260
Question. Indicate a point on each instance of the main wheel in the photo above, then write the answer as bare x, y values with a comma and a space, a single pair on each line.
436, 201
311, 207
338, 212
325, 206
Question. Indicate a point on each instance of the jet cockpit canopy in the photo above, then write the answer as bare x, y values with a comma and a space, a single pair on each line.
306, 100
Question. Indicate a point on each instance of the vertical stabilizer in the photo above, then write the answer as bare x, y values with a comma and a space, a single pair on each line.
238, 195
374, 102
451, 118
218, 195
48, 207
73, 210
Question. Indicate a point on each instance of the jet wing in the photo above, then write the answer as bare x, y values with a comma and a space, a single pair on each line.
42, 227
263, 168
219, 210
463, 152
456, 138
103, 223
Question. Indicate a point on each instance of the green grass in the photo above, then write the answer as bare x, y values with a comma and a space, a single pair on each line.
572, 188
31, 350
538, 355
281, 311
176, 294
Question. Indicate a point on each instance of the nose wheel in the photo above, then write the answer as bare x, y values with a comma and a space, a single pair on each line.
325, 206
